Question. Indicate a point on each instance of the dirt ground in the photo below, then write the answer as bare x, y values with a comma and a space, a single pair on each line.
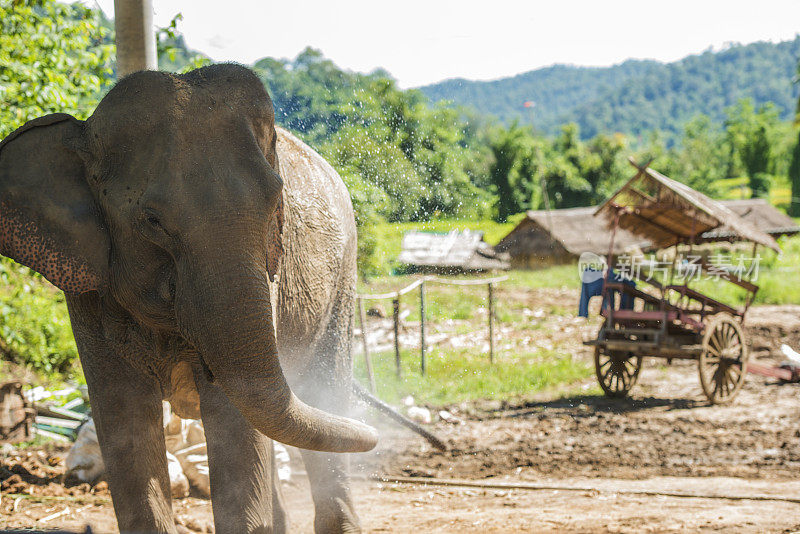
661, 461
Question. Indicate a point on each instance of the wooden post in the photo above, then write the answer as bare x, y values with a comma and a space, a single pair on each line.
422, 328
362, 318
491, 322
135, 36
396, 313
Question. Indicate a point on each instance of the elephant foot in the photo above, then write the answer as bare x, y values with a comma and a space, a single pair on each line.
336, 516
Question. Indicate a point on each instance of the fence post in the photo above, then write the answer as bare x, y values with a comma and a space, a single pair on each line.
422, 328
396, 313
491, 322
362, 318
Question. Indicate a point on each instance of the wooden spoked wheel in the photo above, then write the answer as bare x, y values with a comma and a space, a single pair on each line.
617, 371
723, 362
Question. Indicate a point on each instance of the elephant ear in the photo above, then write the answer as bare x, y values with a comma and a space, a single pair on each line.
49, 220
275, 243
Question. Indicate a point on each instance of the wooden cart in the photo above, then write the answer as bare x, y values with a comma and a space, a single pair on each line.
664, 318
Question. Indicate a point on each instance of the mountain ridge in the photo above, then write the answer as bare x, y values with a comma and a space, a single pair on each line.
636, 96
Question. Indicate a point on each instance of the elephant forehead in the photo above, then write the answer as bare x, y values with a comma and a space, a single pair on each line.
202, 101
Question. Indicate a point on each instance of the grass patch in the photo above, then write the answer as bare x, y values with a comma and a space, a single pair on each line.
776, 276
455, 376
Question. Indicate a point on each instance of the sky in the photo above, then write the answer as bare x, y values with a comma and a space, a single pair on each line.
421, 42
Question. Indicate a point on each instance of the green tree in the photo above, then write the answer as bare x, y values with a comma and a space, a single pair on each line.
611, 168
54, 57
794, 178
173, 54
750, 133
703, 155
423, 158
507, 147
794, 168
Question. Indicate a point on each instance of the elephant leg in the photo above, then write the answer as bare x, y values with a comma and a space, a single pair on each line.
328, 387
245, 490
126, 407
330, 488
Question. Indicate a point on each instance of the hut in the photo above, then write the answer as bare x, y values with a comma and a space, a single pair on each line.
759, 213
560, 236
456, 251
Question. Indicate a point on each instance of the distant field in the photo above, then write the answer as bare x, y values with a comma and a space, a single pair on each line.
778, 275
780, 194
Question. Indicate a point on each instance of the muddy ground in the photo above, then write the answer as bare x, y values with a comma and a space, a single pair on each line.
661, 461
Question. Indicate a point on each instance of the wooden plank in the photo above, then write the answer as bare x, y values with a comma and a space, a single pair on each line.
422, 329
396, 315
491, 322
367, 358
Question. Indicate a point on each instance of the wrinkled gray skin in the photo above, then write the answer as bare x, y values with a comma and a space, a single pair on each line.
159, 217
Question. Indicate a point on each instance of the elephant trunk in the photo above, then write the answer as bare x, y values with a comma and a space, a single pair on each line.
228, 317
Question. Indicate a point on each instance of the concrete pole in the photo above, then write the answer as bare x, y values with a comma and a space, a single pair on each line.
136, 36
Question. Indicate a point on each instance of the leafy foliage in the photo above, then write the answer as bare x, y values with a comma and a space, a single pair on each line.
794, 178
34, 324
794, 168
53, 58
748, 132
407, 159
173, 54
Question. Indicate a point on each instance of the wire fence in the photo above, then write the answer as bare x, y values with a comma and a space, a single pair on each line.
394, 296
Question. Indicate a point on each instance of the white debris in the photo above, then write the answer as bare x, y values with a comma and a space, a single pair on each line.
282, 460
177, 480
408, 401
65, 511
448, 417
790, 353
194, 461
187, 455
38, 393
419, 414
84, 460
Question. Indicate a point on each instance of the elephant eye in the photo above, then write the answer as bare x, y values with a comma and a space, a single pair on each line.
154, 221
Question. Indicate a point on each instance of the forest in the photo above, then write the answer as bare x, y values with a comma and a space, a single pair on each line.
407, 158
636, 97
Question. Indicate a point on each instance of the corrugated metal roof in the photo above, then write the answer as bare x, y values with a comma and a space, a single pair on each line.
458, 249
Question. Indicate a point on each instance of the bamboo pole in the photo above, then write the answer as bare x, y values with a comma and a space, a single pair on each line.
362, 318
396, 313
422, 329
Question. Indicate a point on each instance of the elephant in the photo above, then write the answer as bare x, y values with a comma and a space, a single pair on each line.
208, 258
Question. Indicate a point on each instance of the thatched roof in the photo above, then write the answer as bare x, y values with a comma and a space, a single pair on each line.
464, 250
667, 212
761, 214
575, 230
